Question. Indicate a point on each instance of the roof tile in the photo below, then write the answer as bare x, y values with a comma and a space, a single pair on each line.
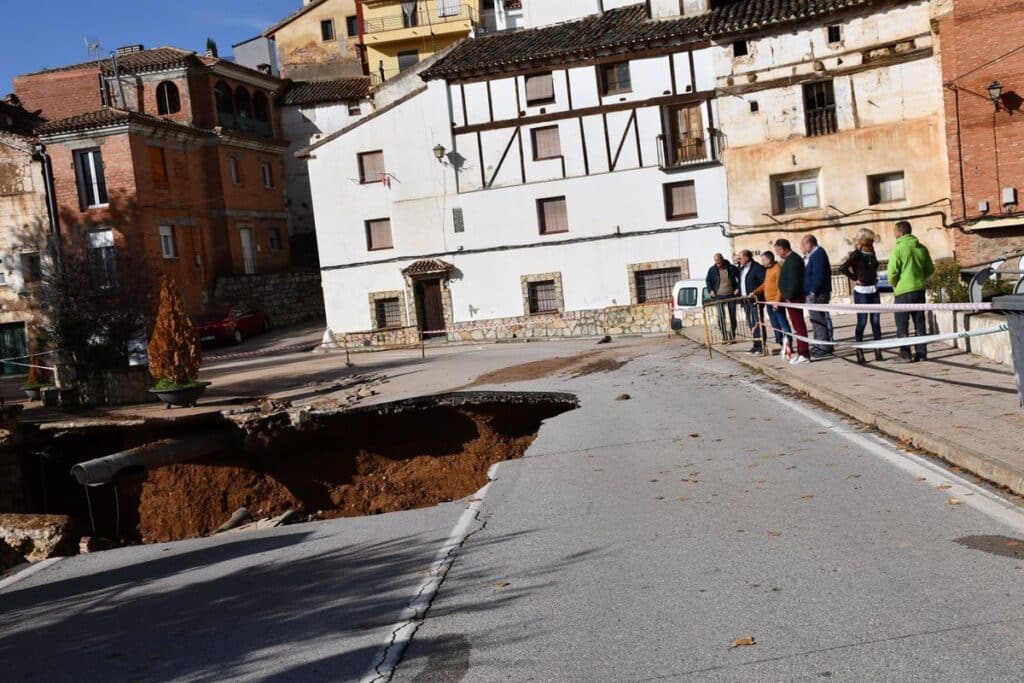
321, 92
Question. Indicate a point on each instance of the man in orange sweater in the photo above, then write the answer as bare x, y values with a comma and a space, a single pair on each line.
772, 295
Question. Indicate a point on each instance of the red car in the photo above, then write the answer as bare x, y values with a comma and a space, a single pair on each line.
232, 326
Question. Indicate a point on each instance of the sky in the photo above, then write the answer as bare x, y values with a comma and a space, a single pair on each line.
40, 34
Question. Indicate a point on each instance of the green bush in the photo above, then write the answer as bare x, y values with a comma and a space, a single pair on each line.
169, 385
946, 285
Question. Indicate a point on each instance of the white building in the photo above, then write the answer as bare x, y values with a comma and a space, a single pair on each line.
530, 187
311, 110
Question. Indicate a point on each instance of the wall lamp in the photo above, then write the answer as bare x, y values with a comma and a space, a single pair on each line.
995, 91
439, 153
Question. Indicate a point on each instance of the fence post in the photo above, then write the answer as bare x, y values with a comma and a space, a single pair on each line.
423, 345
1013, 308
707, 332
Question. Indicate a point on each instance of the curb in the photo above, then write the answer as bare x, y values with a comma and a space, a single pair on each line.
959, 454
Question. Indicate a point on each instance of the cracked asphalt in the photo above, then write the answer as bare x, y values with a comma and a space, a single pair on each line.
636, 542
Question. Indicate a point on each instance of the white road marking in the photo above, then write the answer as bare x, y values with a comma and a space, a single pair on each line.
969, 493
412, 616
28, 571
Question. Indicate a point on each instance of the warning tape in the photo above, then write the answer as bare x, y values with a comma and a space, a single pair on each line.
897, 342
879, 308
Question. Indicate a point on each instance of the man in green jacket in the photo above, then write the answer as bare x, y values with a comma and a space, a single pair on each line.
910, 266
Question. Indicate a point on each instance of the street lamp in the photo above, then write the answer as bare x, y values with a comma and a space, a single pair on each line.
995, 91
439, 153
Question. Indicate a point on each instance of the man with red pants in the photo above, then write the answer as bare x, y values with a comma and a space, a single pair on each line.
791, 284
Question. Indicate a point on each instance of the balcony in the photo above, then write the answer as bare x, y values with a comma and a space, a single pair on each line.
243, 124
429, 14
821, 121
690, 150
379, 76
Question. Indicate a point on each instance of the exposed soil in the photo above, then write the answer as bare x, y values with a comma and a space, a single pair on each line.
578, 365
349, 466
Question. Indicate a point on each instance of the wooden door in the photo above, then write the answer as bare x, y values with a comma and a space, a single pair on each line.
14, 345
431, 308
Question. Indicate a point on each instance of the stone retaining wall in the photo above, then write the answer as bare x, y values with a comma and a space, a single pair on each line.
288, 298
995, 347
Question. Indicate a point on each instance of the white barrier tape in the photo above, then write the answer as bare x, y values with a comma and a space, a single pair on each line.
879, 308
898, 342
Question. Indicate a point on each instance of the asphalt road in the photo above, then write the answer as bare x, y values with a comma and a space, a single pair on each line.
636, 541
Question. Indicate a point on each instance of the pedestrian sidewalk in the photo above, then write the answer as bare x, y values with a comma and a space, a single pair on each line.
957, 406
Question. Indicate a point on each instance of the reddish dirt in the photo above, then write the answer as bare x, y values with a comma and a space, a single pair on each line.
576, 366
352, 467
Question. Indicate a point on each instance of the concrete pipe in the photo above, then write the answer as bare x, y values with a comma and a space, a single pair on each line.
165, 452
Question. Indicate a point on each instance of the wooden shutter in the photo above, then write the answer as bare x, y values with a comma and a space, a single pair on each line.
157, 164
539, 88
681, 200
371, 167
378, 234
554, 217
546, 143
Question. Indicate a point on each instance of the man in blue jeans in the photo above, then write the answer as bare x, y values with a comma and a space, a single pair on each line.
818, 285
723, 282
751, 278
910, 266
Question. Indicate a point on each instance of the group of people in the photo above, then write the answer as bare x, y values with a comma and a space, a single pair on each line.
784, 276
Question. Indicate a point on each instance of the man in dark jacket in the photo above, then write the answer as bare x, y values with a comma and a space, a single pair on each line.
818, 289
791, 285
752, 277
723, 282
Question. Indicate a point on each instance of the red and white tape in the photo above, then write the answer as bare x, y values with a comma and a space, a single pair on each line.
878, 308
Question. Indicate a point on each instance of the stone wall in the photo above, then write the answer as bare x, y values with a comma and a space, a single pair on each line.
288, 298
378, 340
995, 347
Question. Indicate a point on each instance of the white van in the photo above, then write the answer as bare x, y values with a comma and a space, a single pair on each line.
687, 296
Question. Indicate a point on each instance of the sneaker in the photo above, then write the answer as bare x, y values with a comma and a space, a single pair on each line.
903, 360
918, 358
797, 360
756, 351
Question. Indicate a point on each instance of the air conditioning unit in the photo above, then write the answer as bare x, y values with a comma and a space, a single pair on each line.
1009, 196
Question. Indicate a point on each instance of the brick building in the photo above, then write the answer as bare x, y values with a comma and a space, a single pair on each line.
985, 136
172, 157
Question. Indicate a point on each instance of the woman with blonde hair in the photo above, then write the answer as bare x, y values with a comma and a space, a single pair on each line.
861, 266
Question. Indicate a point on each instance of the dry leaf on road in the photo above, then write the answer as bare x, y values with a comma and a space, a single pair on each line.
774, 534
944, 487
954, 501
501, 584
745, 641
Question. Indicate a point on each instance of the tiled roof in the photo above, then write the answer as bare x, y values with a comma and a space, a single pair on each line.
428, 267
623, 29
157, 59
291, 17
570, 41
106, 118
320, 92
741, 15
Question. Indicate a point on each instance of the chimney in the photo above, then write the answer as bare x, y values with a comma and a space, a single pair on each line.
129, 49
264, 69
673, 9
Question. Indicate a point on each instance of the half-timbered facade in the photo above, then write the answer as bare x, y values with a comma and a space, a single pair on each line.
531, 187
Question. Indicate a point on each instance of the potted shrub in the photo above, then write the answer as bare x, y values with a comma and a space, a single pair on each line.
174, 354
35, 383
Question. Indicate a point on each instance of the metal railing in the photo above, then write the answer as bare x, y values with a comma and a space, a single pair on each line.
690, 150
821, 121
734, 321
263, 129
425, 14
379, 76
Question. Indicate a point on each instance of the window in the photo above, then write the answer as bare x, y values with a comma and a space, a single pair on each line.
31, 266
224, 99
448, 8
102, 259
387, 313
886, 187
243, 103
540, 89
274, 238
371, 167
378, 234
458, 220
543, 296
260, 107
410, 14
546, 143
820, 108
687, 296
408, 59
835, 34
352, 26
92, 185
685, 141
268, 174
3, 279
615, 78
157, 165
327, 29
754, 107
236, 171
796, 194
168, 101
656, 285
168, 243
740, 49
552, 215
680, 201
355, 109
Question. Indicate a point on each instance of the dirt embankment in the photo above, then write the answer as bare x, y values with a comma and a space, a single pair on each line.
347, 467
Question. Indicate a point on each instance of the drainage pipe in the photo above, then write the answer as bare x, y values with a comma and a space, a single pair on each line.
165, 452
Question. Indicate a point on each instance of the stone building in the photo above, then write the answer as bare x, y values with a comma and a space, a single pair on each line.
172, 157
319, 41
834, 121
983, 75
24, 232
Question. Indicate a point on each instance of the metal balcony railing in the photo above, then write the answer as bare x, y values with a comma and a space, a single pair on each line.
379, 76
690, 150
424, 13
261, 128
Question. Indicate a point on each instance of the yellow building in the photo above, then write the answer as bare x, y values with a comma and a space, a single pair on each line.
398, 34
319, 41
